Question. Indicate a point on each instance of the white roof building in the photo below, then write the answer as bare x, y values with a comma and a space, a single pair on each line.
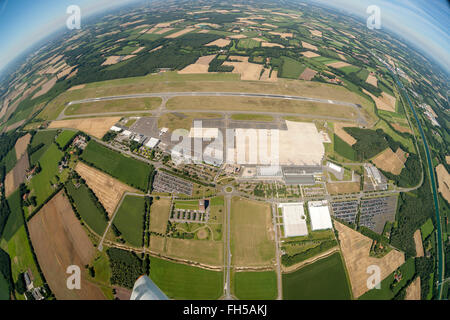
115, 129
153, 142
294, 219
126, 133
334, 167
320, 215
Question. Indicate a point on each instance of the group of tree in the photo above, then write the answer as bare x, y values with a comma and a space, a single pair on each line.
126, 267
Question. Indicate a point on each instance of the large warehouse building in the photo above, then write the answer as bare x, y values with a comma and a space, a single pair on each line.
294, 219
319, 214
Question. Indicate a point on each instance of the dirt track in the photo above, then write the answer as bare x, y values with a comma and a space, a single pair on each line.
59, 242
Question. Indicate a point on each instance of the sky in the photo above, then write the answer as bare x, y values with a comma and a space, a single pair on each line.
424, 22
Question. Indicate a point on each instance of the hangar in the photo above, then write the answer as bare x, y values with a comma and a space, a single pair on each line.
294, 219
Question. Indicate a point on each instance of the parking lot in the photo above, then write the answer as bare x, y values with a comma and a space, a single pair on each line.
375, 212
165, 182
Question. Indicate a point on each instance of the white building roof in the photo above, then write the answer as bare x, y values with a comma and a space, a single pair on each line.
320, 215
126, 133
115, 129
294, 219
153, 142
164, 130
334, 167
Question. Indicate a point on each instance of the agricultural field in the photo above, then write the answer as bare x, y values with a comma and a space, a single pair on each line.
179, 281
43, 138
130, 219
108, 190
118, 165
252, 234
87, 207
57, 246
17, 175
207, 252
65, 137
159, 215
43, 183
260, 285
291, 68
344, 149
323, 280
96, 127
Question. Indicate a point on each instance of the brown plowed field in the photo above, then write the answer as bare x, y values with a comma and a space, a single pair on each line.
16, 176
59, 241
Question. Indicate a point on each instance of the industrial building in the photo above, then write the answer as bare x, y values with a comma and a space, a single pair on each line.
294, 219
319, 214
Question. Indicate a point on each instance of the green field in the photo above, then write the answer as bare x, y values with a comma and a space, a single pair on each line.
248, 44
179, 281
324, 60
65, 137
322, 280
15, 219
255, 285
130, 219
10, 160
42, 182
128, 170
87, 207
349, 69
4, 288
46, 137
387, 291
427, 228
251, 117
187, 205
291, 68
344, 149
135, 104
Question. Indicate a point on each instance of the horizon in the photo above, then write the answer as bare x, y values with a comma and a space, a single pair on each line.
434, 35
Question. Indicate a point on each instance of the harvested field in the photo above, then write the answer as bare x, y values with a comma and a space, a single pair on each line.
252, 235
247, 70
309, 46
401, 128
371, 79
59, 241
413, 290
219, 43
116, 59
159, 215
389, 161
266, 73
157, 244
341, 133
316, 33
283, 35
443, 181
45, 87
155, 49
271, 45
355, 249
343, 187
14, 125
418, 243
21, 145
200, 66
179, 33
402, 155
207, 252
163, 30
238, 36
385, 102
308, 74
96, 127
310, 54
447, 159
138, 50
108, 190
17, 175
339, 64
80, 86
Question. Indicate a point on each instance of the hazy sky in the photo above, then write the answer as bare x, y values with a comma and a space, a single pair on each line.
425, 22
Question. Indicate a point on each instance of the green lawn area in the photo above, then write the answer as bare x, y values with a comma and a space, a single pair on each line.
291, 68
15, 219
128, 170
130, 219
4, 288
344, 149
349, 69
42, 182
187, 205
251, 117
179, 281
87, 207
65, 137
322, 280
46, 137
385, 292
427, 228
255, 285
324, 60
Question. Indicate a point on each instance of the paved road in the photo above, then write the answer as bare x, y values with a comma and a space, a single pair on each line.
227, 285
167, 95
277, 253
